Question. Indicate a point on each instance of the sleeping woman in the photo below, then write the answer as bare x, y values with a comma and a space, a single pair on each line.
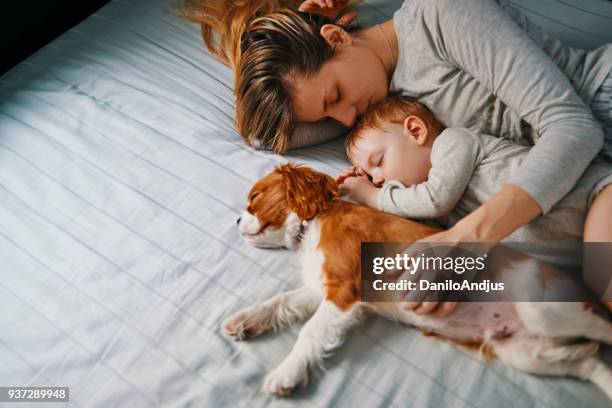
478, 64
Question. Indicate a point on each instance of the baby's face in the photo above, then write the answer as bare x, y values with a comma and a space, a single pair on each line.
390, 154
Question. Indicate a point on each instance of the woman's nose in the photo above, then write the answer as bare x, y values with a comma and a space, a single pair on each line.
345, 115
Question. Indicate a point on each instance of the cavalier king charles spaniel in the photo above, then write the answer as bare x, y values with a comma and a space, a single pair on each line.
298, 208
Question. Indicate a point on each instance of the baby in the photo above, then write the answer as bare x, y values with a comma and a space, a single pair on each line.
406, 163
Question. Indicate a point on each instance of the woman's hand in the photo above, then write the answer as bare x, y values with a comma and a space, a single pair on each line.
330, 9
450, 236
509, 209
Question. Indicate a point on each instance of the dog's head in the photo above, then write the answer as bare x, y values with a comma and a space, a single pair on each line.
280, 203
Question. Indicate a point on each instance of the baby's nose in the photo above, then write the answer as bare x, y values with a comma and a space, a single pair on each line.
378, 181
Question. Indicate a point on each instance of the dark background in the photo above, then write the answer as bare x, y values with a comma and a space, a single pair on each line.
29, 25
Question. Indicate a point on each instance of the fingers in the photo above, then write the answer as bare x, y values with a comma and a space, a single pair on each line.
410, 305
330, 9
344, 174
313, 5
436, 309
306, 6
361, 173
425, 307
444, 309
347, 18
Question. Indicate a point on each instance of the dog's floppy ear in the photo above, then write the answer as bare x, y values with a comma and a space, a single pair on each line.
308, 191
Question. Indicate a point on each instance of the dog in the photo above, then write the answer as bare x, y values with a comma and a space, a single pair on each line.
298, 208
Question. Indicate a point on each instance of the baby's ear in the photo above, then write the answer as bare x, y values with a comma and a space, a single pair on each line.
416, 129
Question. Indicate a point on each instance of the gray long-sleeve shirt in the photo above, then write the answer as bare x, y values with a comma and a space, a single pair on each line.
479, 64
469, 167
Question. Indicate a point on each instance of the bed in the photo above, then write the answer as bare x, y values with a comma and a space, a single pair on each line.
121, 177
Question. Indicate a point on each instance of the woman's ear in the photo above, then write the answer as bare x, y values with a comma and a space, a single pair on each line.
415, 128
335, 36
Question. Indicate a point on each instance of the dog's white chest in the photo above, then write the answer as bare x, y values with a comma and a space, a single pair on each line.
311, 257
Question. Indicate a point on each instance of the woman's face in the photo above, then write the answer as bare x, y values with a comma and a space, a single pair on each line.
345, 86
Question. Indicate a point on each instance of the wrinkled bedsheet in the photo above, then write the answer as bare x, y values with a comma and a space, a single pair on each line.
121, 177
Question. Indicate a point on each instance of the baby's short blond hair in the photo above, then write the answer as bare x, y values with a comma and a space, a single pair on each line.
393, 109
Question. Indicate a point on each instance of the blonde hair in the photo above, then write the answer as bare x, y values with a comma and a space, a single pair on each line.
392, 109
224, 21
266, 43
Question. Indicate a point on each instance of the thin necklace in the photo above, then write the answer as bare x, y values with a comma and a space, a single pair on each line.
387, 41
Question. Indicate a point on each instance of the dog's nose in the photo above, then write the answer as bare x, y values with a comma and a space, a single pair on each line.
238, 220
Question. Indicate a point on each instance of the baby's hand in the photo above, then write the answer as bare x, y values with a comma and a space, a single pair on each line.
350, 172
359, 189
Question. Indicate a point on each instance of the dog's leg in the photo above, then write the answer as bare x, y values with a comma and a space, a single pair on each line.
597, 371
564, 319
319, 336
548, 356
276, 312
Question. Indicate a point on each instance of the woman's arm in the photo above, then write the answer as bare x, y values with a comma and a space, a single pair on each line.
481, 39
502, 214
506, 211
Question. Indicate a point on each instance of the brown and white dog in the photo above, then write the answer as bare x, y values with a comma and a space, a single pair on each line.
298, 208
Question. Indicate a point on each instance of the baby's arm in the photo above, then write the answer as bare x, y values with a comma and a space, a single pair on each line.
455, 154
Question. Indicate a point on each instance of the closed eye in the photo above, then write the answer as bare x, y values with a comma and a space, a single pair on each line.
337, 96
334, 99
376, 159
250, 203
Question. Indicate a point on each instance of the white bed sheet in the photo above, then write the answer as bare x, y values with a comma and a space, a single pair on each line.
121, 177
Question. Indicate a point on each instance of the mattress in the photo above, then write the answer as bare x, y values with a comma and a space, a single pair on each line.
121, 177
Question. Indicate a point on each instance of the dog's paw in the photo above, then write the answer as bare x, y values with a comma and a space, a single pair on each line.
283, 380
247, 323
